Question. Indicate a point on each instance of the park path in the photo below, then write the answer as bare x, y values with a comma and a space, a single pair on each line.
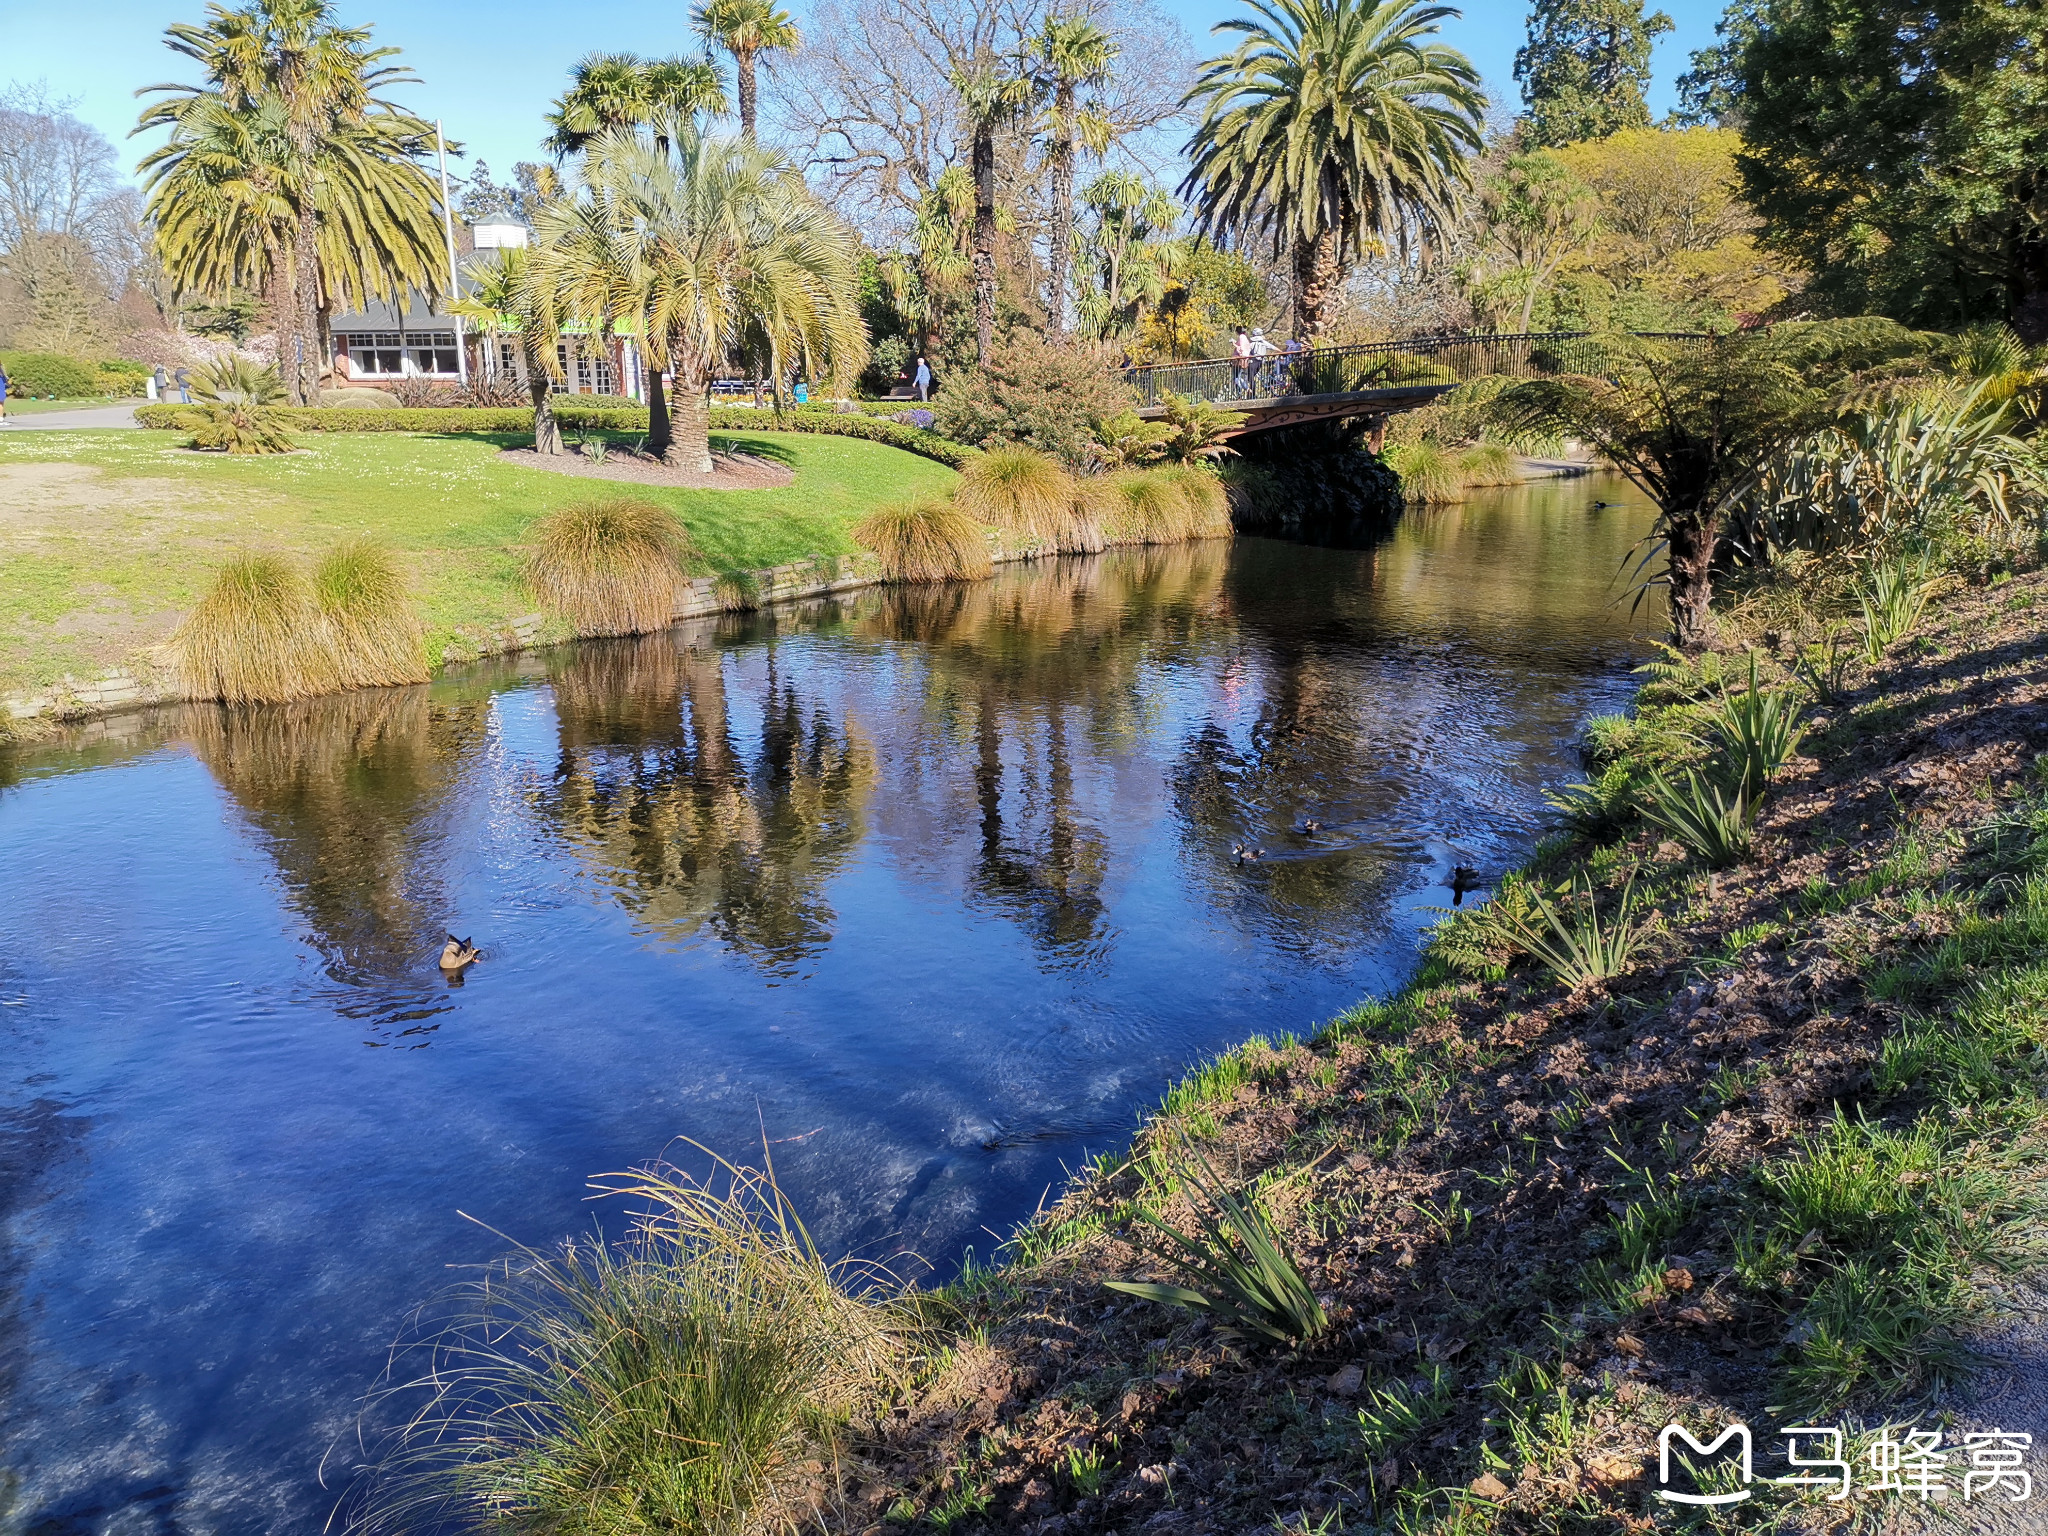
57, 421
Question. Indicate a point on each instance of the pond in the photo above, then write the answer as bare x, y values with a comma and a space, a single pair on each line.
933, 890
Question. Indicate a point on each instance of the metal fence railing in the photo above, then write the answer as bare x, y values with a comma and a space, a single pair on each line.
1378, 365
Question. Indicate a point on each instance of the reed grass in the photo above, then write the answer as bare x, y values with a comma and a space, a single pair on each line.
926, 540
610, 567
1147, 506
1428, 473
1019, 492
372, 628
256, 637
672, 1381
1487, 463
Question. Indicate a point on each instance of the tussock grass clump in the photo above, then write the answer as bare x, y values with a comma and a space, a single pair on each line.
371, 625
1206, 501
925, 540
238, 429
256, 637
1487, 463
669, 1382
610, 567
1428, 473
1018, 491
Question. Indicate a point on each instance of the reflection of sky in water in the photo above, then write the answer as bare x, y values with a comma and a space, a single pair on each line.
936, 887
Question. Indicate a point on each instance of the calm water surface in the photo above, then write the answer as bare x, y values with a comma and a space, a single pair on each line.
934, 888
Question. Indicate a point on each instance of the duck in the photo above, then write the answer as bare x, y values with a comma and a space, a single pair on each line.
1310, 825
1465, 879
457, 954
1605, 506
1244, 853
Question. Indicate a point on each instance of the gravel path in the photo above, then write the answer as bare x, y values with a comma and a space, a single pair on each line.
2012, 1395
58, 421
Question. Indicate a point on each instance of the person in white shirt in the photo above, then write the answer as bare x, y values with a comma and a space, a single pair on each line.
1240, 370
1261, 350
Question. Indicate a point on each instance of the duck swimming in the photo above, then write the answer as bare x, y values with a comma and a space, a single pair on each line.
1465, 879
1244, 853
457, 954
1309, 825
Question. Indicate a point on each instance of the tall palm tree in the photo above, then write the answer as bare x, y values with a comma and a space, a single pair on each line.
1072, 52
289, 120
746, 29
1335, 125
1123, 250
991, 95
609, 91
508, 296
326, 144
712, 247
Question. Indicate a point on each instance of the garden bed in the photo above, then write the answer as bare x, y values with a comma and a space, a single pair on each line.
729, 471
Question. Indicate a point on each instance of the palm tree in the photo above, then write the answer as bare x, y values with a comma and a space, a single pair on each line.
991, 95
746, 29
711, 247
286, 167
609, 91
508, 296
1124, 250
1072, 52
1333, 126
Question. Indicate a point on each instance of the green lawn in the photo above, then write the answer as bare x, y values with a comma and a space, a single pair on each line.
21, 405
107, 536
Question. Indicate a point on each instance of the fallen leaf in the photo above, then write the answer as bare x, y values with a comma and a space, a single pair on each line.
1611, 1469
1629, 1345
1130, 1405
1678, 1279
1694, 1316
1487, 1486
1346, 1382
1406, 1259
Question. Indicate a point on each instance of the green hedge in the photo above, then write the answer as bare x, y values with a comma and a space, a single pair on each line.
580, 417
45, 373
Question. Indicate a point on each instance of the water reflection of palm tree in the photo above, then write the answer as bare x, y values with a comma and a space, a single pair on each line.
689, 830
344, 790
1021, 669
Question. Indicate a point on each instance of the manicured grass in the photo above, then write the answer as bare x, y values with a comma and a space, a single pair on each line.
106, 537
22, 405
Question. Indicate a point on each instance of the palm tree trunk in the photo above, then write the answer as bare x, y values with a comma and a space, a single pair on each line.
547, 432
743, 63
309, 303
660, 436
984, 242
1316, 276
1062, 231
689, 416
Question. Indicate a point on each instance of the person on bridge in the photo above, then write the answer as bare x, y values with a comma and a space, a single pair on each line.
1261, 350
1241, 366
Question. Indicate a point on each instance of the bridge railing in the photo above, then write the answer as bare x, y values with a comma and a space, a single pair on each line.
1380, 365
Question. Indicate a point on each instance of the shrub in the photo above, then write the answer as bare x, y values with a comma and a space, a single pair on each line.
1570, 939
1019, 491
1033, 394
46, 373
238, 429
373, 631
256, 637
1136, 506
1195, 429
1487, 464
358, 397
925, 540
610, 566
1203, 495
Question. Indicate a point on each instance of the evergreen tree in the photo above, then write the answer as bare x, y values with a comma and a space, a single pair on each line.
1585, 68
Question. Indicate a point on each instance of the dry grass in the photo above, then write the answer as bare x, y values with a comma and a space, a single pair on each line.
256, 637
1171, 505
1428, 473
370, 620
1206, 501
670, 1382
610, 567
1019, 492
925, 540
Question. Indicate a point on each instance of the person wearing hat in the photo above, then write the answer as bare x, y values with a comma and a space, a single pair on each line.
1261, 350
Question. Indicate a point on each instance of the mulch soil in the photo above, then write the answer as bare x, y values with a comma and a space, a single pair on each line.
729, 471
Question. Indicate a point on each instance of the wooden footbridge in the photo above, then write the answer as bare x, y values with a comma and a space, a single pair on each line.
1374, 379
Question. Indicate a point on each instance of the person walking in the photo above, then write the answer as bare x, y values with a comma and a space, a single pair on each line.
1261, 350
184, 380
1296, 354
924, 380
1240, 369
3, 394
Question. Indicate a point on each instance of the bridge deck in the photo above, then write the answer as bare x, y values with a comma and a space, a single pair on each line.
1290, 410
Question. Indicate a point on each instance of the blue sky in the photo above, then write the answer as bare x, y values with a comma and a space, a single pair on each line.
490, 70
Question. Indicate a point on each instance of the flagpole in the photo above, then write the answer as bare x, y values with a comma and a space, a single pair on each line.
448, 228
